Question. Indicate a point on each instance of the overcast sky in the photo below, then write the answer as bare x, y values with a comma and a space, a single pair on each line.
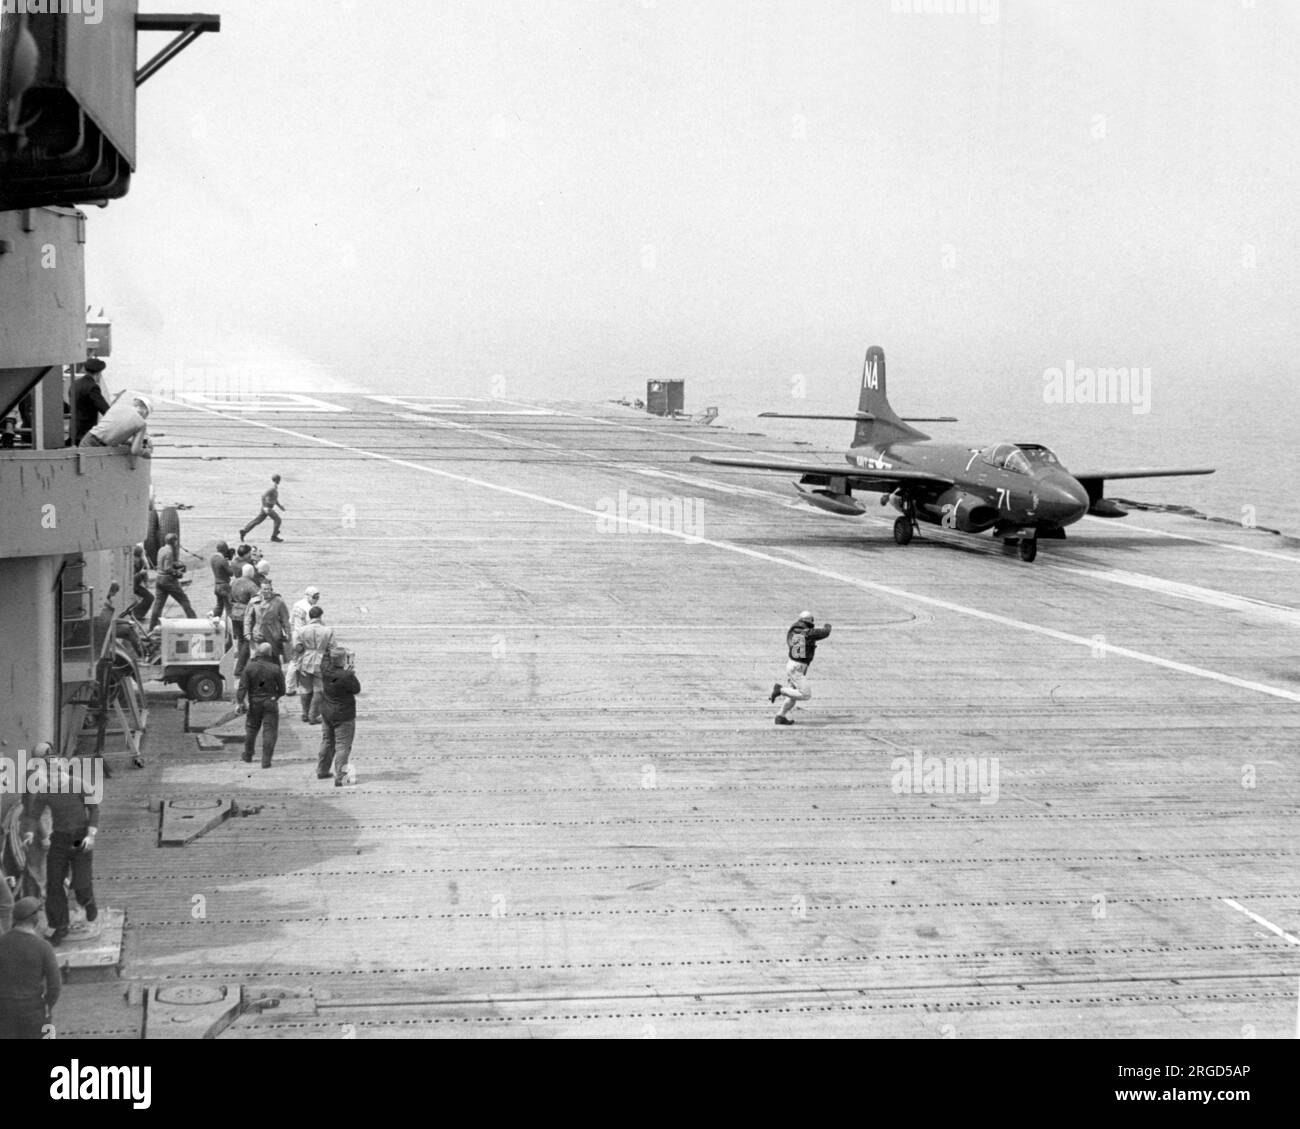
577, 195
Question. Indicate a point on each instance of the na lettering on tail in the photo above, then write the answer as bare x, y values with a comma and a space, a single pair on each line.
884, 426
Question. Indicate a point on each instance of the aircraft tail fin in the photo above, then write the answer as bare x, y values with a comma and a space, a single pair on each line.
885, 426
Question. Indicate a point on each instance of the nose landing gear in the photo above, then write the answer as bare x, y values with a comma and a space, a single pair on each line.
904, 526
1028, 547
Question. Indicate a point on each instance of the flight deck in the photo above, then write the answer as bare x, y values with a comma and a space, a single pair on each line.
1041, 799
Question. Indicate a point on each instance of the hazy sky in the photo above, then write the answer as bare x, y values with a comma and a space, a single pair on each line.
581, 194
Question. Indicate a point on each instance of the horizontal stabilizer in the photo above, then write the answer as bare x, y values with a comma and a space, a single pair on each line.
814, 415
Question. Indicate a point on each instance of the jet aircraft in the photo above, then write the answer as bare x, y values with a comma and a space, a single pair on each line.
1021, 491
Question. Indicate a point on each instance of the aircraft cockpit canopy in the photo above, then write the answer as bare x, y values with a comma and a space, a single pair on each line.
1038, 455
1006, 456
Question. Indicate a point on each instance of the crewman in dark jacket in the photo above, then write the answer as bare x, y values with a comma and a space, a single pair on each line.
338, 714
72, 843
262, 686
29, 975
801, 645
270, 503
140, 584
88, 402
11, 818
223, 572
243, 556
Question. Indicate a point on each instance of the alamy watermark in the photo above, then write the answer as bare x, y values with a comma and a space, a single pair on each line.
629, 513
92, 11
28, 775
946, 776
76, 1082
213, 381
987, 10
1081, 385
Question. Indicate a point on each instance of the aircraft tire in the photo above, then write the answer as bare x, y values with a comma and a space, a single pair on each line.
1028, 549
152, 539
902, 530
169, 521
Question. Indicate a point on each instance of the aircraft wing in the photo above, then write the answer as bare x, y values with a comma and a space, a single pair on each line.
854, 417
858, 478
1140, 472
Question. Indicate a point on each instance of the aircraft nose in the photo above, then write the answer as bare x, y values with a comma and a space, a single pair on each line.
1066, 501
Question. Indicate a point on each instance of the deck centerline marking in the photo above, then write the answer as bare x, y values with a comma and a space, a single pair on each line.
755, 554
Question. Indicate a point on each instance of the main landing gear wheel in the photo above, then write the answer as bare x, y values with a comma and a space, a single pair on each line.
902, 530
152, 538
1028, 549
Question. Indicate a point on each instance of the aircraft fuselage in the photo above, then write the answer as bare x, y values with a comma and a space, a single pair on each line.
1003, 487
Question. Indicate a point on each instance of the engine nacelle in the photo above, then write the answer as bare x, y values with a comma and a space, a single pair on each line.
968, 513
831, 500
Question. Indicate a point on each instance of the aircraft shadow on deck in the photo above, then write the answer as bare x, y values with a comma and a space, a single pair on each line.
1126, 544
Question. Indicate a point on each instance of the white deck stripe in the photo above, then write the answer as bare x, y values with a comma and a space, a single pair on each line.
1210, 596
259, 401
754, 554
1266, 924
1126, 528
457, 407
610, 464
